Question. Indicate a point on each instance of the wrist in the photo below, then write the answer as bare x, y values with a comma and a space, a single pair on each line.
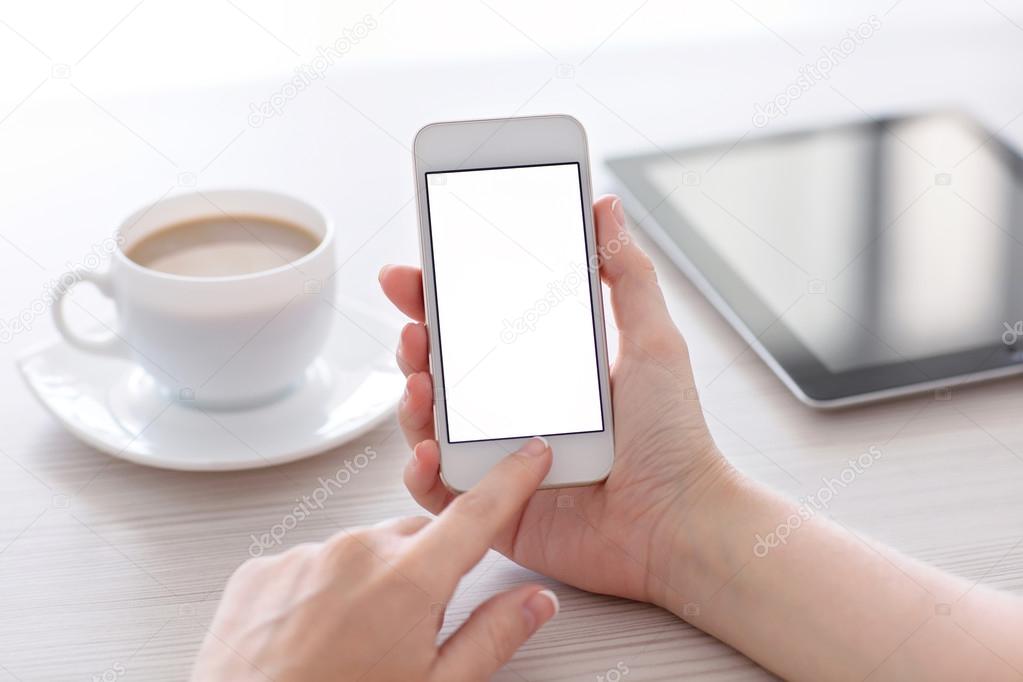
698, 544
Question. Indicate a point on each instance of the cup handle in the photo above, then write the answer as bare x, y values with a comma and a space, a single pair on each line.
108, 344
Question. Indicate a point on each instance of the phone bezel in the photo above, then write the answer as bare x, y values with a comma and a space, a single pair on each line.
579, 458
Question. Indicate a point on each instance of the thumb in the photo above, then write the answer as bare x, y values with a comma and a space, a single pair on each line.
639, 309
493, 633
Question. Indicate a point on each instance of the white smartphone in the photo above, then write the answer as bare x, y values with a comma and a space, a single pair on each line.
513, 299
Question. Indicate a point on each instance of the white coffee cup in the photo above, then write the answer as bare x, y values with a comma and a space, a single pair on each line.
220, 342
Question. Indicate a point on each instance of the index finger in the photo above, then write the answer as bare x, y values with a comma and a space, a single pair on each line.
464, 531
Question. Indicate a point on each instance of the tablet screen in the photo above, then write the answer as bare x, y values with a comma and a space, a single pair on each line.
872, 243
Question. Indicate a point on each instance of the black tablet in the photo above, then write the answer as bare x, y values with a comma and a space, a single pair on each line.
860, 261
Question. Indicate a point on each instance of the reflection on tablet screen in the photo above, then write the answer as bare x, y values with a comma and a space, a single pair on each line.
876, 243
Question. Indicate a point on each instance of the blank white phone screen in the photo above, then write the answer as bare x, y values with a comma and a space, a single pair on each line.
518, 344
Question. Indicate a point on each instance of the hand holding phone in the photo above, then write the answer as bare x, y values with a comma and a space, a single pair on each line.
615, 537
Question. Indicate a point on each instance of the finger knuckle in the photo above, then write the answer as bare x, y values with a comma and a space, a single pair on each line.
341, 546
418, 520
298, 552
411, 418
667, 345
405, 420
473, 504
250, 568
500, 636
406, 525
642, 267
643, 263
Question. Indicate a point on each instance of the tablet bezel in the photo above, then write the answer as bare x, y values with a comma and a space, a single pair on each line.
766, 332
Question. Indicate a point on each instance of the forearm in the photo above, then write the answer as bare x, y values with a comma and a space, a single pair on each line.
823, 603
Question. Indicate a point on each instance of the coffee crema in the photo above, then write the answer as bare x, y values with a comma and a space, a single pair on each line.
223, 246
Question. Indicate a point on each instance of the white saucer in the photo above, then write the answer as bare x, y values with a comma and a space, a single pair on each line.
114, 406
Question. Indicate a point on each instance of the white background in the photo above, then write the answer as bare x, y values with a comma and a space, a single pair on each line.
143, 47
508, 246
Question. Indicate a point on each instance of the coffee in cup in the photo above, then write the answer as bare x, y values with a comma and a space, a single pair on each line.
223, 246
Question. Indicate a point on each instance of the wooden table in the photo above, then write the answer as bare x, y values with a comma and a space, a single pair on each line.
108, 567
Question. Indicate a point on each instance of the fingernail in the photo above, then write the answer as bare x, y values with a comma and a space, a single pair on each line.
541, 607
415, 456
618, 212
535, 446
383, 271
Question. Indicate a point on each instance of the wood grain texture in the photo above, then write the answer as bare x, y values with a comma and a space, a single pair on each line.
106, 566
113, 564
